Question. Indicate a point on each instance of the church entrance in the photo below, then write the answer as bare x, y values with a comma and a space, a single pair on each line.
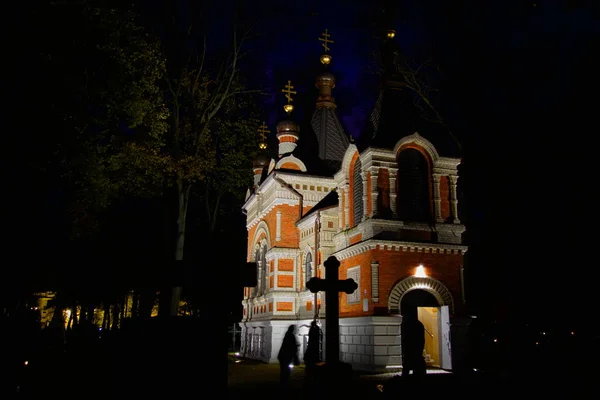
434, 318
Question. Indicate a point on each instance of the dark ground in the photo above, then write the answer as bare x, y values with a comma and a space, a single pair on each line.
150, 362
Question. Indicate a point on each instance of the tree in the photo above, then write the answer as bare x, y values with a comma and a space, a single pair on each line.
212, 138
93, 86
209, 145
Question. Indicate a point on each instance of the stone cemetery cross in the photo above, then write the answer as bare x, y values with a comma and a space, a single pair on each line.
331, 285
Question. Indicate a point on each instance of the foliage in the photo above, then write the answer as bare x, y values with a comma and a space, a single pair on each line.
100, 72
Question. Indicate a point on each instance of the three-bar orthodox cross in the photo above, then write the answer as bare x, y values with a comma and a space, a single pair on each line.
288, 91
263, 130
326, 40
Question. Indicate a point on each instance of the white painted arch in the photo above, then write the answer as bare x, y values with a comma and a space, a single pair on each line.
348, 156
262, 227
420, 141
433, 286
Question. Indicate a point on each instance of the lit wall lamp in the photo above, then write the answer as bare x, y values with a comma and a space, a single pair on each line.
420, 272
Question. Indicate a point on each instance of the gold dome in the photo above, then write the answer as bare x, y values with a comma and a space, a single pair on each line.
287, 126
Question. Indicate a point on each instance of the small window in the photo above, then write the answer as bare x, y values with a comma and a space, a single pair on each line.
354, 273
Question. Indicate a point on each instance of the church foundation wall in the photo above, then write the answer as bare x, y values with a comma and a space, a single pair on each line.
371, 343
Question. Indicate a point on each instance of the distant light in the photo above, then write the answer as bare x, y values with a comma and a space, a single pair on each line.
291, 366
238, 361
262, 146
495, 340
420, 273
572, 333
391, 33
543, 333
26, 363
237, 354
537, 343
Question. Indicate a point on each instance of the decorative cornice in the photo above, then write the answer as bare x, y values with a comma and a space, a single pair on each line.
404, 246
282, 252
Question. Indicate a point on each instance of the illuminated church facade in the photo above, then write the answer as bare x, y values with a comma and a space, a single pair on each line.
387, 207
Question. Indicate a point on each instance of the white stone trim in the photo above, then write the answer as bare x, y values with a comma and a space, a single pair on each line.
354, 273
375, 281
344, 171
282, 252
371, 244
291, 159
262, 227
433, 286
421, 142
278, 226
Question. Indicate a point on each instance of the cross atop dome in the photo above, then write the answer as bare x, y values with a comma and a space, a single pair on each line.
263, 130
325, 38
288, 108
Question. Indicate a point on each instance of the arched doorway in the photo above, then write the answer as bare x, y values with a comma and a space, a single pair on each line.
424, 306
431, 301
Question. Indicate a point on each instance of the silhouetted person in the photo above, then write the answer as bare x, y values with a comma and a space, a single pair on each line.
288, 354
413, 343
312, 356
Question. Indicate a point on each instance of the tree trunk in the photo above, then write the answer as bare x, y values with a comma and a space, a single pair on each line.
58, 322
91, 315
106, 317
115, 314
146, 303
183, 202
135, 301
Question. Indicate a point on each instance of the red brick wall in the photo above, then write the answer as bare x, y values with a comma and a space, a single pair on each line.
285, 265
364, 260
285, 281
284, 306
289, 232
355, 239
395, 266
383, 189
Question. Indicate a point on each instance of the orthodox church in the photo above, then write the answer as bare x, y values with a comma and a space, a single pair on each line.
386, 206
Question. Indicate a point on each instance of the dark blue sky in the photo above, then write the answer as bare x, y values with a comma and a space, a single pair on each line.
503, 54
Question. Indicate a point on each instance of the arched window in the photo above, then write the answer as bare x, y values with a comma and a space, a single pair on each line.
357, 193
263, 261
413, 187
307, 268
